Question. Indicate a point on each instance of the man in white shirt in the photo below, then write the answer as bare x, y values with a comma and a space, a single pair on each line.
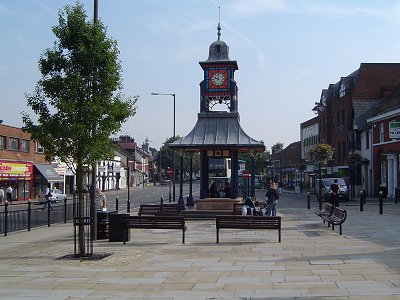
47, 195
9, 192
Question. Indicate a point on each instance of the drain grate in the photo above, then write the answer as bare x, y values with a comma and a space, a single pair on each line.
311, 233
95, 257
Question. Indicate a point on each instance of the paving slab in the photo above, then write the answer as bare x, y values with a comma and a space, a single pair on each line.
311, 262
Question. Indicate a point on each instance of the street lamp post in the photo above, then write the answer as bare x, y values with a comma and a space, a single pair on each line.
319, 106
173, 173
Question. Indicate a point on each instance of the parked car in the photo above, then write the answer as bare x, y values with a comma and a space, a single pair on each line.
326, 184
57, 195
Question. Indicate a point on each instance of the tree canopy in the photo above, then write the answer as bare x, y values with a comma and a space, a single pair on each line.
78, 100
278, 146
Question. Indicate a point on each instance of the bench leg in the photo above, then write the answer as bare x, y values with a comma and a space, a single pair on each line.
279, 235
183, 236
217, 235
340, 229
125, 235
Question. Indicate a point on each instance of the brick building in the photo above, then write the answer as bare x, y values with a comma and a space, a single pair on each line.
22, 164
342, 113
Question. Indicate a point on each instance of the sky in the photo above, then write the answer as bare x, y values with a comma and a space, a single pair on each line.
287, 52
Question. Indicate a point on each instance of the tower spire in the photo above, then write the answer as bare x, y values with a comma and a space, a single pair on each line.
219, 20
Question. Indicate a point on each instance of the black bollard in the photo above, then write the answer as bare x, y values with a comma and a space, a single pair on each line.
29, 214
65, 211
162, 200
308, 200
380, 202
361, 201
364, 196
116, 204
5, 217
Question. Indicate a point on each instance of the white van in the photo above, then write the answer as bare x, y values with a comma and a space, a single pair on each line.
326, 184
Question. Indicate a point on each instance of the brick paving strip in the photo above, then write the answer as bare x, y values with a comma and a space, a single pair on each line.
311, 262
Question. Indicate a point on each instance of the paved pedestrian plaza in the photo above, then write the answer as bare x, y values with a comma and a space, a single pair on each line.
311, 262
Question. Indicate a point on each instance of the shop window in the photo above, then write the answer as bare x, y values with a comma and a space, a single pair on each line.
2, 142
13, 143
25, 145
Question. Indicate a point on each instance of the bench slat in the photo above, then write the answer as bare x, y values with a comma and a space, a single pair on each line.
248, 222
158, 209
336, 217
156, 222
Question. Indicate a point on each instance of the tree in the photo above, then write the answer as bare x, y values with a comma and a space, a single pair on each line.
275, 148
260, 161
78, 99
320, 154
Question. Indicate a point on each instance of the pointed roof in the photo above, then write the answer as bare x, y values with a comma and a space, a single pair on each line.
218, 130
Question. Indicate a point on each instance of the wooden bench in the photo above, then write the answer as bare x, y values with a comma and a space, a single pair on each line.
159, 209
338, 217
326, 211
155, 222
248, 222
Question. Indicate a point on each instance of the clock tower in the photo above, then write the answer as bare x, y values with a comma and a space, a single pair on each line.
217, 135
218, 86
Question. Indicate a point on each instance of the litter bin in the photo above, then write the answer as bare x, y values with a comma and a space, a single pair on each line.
116, 227
102, 225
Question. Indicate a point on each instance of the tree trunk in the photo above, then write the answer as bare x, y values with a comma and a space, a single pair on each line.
81, 210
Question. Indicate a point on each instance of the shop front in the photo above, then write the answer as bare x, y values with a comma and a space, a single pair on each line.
18, 175
47, 176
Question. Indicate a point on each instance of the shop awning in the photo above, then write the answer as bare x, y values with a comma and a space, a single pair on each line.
49, 173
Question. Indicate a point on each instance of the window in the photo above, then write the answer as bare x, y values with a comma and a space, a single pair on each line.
13, 143
25, 145
2, 142
383, 173
38, 148
381, 133
342, 90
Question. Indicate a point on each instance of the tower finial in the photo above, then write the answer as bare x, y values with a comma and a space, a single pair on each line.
219, 20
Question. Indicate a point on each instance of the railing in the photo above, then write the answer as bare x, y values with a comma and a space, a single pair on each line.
25, 219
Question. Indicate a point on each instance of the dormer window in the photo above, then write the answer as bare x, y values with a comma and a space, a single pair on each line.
218, 48
342, 90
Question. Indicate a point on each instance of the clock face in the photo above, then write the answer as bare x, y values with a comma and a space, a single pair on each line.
218, 79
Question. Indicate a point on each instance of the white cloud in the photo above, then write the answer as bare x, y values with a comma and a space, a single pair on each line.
258, 52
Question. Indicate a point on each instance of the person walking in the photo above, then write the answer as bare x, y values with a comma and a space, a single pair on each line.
334, 191
9, 192
100, 200
272, 199
47, 202
1, 195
